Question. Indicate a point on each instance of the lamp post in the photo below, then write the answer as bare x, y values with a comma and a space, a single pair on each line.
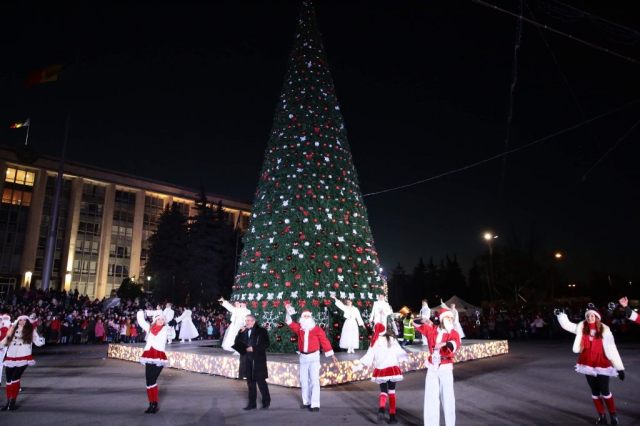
148, 282
27, 279
489, 237
556, 256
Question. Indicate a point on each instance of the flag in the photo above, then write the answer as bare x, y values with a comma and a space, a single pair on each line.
45, 75
18, 125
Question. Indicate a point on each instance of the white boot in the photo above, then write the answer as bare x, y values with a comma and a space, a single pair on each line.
182, 341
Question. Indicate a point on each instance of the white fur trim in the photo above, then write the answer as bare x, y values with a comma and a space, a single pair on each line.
634, 316
22, 363
386, 379
591, 311
591, 371
156, 361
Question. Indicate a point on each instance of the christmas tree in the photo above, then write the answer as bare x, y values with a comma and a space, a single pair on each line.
308, 234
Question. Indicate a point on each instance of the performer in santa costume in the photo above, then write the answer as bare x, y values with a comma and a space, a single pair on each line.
19, 342
631, 314
187, 329
153, 357
444, 342
425, 314
350, 335
239, 312
456, 318
310, 339
386, 355
599, 359
5, 324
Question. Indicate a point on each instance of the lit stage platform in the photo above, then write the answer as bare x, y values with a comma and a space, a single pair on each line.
202, 357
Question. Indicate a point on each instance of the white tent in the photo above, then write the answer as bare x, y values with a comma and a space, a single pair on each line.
463, 307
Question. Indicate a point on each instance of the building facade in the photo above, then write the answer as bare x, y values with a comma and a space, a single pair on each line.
104, 224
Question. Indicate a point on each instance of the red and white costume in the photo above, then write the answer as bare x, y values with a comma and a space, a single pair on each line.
5, 323
309, 344
439, 380
597, 356
18, 352
599, 360
156, 342
385, 356
635, 317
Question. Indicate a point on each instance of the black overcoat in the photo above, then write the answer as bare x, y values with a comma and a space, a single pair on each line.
255, 363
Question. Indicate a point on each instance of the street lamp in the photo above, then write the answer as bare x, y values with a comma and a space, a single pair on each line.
148, 282
556, 256
489, 237
27, 278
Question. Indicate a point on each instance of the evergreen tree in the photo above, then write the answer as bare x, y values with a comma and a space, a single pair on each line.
204, 260
398, 287
419, 286
308, 233
454, 282
476, 288
129, 289
168, 256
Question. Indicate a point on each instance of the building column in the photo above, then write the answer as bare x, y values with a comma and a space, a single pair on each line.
71, 235
105, 241
33, 226
136, 242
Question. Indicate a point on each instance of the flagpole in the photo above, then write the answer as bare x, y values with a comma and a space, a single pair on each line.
28, 127
53, 225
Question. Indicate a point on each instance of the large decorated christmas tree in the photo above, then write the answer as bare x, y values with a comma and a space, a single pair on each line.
308, 235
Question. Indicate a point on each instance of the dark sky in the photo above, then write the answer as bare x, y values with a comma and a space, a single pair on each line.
184, 92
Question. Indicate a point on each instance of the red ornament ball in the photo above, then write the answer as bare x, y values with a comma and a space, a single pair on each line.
316, 283
288, 284
336, 285
339, 270
278, 339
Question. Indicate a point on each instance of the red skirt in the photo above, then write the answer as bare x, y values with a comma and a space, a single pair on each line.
595, 363
389, 374
154, 356
20, 361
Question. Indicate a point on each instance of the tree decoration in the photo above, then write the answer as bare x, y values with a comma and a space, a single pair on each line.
308, 233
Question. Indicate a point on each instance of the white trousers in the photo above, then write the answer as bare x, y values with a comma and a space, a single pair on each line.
439, 387
3, 351
310, 379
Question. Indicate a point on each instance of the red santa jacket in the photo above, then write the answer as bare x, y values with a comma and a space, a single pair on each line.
446, 353
3, 333
635, 317
311, 341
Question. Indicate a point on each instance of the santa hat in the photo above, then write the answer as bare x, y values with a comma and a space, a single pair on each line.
5, 317
158, 315
22, 317
593, 311
378, 330
445, 312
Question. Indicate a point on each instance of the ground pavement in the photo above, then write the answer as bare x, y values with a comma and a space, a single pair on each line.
534, 385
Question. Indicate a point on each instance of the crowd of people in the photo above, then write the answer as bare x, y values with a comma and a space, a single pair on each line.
59, 317
71, 318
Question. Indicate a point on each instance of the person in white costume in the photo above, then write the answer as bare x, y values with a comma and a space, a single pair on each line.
425, 314
188, 331
350, 336
456, 318
238, 315
380, 312
168, 315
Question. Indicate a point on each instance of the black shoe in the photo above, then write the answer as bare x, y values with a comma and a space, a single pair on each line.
12, 405
153, 408
392, 419
6, 406
614, 419
315, 409
250, 407
305, 407
380, 417
265, 407
602, 420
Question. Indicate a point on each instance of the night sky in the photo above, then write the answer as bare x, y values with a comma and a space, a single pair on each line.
184, 92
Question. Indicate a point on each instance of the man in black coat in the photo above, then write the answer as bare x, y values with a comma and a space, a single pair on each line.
252, 341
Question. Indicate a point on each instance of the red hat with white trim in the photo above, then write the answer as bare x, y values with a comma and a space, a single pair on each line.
445, 313
593, 311
378, 330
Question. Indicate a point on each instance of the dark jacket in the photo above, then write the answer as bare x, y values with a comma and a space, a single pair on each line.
255, 363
